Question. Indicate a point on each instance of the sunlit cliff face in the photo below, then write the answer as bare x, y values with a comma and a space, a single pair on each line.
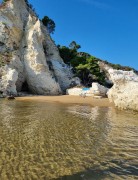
27, 48
124, 93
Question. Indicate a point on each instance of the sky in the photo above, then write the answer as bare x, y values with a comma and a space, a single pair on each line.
107, 29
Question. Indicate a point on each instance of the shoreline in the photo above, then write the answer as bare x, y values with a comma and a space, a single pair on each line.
68, 99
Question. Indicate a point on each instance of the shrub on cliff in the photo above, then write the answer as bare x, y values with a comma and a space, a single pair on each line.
84, 66
89, 71
49, 23
67, 54
4, 1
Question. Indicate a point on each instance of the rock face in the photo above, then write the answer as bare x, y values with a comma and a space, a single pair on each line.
96, 90
105, 68
76, 91
27, 48
124, 93
8, 81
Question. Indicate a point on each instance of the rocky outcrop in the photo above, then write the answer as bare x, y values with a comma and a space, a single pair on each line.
76, 91
124, 93
27, 48
96, 91
9, 78
105, 68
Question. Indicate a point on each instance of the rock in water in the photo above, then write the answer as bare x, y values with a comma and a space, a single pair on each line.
124, 93
27, 48
10, 97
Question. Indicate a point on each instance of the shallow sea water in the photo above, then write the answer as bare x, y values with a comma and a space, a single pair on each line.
41, 140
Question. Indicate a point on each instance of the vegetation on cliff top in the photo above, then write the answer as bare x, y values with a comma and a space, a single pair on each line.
5, 1
84, 65
49, 23
120, 67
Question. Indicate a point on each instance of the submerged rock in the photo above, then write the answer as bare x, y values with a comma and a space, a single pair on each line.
124, 93
27, 48
10, 97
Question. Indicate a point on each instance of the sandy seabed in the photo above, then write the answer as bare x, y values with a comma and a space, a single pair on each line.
67, 99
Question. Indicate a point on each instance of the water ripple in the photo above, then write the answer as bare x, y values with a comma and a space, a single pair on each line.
53, 141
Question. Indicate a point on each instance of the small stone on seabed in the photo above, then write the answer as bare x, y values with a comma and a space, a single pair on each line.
10, 97
97, 97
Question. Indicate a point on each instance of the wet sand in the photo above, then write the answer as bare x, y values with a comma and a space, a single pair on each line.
67, 99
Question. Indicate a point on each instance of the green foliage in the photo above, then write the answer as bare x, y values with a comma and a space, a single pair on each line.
89, 72
4, 1
76, 61
67, 54
84, 66
73, 45
49, 23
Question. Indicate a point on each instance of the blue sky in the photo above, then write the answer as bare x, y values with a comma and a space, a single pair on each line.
107, 29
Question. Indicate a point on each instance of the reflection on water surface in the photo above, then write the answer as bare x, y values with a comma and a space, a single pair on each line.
54, 141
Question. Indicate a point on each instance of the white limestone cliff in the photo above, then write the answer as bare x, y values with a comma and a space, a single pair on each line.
9, 78
27, 48
124, 92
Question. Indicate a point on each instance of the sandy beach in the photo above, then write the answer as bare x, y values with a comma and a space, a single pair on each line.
66, 99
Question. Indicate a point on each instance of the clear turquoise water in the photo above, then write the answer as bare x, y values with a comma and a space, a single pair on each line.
66, 142
86, 89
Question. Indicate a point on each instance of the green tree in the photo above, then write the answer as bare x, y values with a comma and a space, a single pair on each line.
49, 23
90, 72
77, 60
4, 1
74, 45
67, 54
85, 67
